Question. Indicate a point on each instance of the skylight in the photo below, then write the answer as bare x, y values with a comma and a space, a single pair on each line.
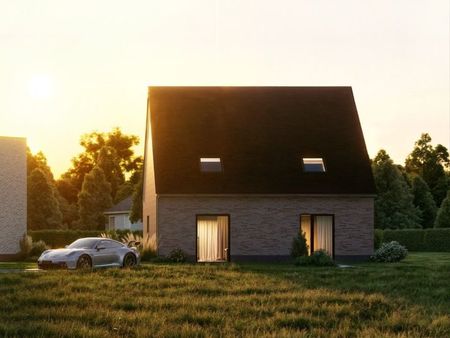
313, 165
210, 164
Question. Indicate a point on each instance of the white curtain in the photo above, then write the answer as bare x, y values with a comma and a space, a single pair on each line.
323, 233
222, 238
212, 238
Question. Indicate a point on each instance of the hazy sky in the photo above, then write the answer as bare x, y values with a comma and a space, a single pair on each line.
70, 67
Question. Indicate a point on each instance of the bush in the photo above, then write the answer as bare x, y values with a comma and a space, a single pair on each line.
318, 258
38, 248
177, 256
410, 238
299, 246
146, 247
26, 244
378, 238
390, 252
60, 238
437, 239
430, 240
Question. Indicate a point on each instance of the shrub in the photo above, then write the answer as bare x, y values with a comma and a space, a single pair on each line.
318, 258
437, 239
431, 240
38, 248
390, 252
410, 238
26, 244
299, 246
147, 246
378, 238
177, 256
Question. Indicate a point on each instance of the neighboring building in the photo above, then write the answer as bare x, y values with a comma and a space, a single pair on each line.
13, 194
234, 173
118, 216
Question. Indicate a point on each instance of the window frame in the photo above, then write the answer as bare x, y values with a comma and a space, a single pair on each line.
196, 235
311, 239
210, 171
313, 172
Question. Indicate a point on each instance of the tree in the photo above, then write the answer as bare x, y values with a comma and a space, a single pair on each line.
88, 159
394, 206
109, 162
423, 200
94, 199
136, 209
38, 161
429, 163
43, 207
443, 215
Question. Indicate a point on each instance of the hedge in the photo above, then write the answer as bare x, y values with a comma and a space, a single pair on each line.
437, 240
60, 238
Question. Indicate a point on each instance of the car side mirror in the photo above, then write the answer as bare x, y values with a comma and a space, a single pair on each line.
100, 248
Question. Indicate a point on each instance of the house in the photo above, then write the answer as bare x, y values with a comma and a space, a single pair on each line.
13, 194
118, 216
235, 173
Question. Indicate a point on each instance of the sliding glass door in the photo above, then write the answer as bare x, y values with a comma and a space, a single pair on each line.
319, 232
212, 238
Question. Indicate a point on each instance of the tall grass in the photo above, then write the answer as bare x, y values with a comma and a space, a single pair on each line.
406, 299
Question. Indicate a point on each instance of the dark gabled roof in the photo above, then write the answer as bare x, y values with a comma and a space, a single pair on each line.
124, 205
261, 135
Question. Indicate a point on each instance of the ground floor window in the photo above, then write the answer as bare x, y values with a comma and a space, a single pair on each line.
319, 232
213, 238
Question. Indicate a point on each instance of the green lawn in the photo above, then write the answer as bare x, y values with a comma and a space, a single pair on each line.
407, 299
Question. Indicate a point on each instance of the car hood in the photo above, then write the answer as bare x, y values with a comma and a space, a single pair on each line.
61, 253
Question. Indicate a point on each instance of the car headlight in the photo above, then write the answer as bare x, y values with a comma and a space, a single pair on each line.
70, 254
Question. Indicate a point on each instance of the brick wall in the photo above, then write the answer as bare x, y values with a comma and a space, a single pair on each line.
13, 193
265, 225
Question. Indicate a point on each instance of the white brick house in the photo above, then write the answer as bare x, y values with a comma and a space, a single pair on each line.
13, 194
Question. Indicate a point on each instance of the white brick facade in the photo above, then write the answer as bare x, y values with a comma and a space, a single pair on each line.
13, 194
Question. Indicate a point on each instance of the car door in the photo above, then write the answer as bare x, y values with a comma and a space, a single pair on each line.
106, 253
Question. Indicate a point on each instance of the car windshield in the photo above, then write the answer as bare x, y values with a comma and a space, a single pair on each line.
83, 243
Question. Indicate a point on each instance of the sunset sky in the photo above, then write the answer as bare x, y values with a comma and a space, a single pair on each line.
67, 68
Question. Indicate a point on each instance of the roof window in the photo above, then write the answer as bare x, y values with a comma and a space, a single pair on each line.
210, 165
313, 165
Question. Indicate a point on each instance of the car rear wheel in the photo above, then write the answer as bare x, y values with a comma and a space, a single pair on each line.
84, 263
129, 260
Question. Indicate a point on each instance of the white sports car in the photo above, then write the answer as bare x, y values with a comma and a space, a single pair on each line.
89, 253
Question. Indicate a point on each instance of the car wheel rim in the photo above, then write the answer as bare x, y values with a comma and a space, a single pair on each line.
129, 261
84, 263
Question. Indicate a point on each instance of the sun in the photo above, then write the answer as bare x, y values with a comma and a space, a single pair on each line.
41, 87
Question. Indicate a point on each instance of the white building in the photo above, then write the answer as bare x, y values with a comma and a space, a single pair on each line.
13, 194
118, 216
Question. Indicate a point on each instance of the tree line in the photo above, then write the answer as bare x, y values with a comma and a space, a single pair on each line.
104, 173
416, 195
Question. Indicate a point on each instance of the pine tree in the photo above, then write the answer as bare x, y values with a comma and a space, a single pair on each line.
43, 210
443, 215
423, 200
394, 206
94, 199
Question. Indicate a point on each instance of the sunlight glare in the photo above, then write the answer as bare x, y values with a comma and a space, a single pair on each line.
41, 87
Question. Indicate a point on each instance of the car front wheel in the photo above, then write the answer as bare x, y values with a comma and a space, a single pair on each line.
129, 260
84, 263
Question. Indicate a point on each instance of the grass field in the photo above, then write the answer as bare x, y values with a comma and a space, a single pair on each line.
411, 298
